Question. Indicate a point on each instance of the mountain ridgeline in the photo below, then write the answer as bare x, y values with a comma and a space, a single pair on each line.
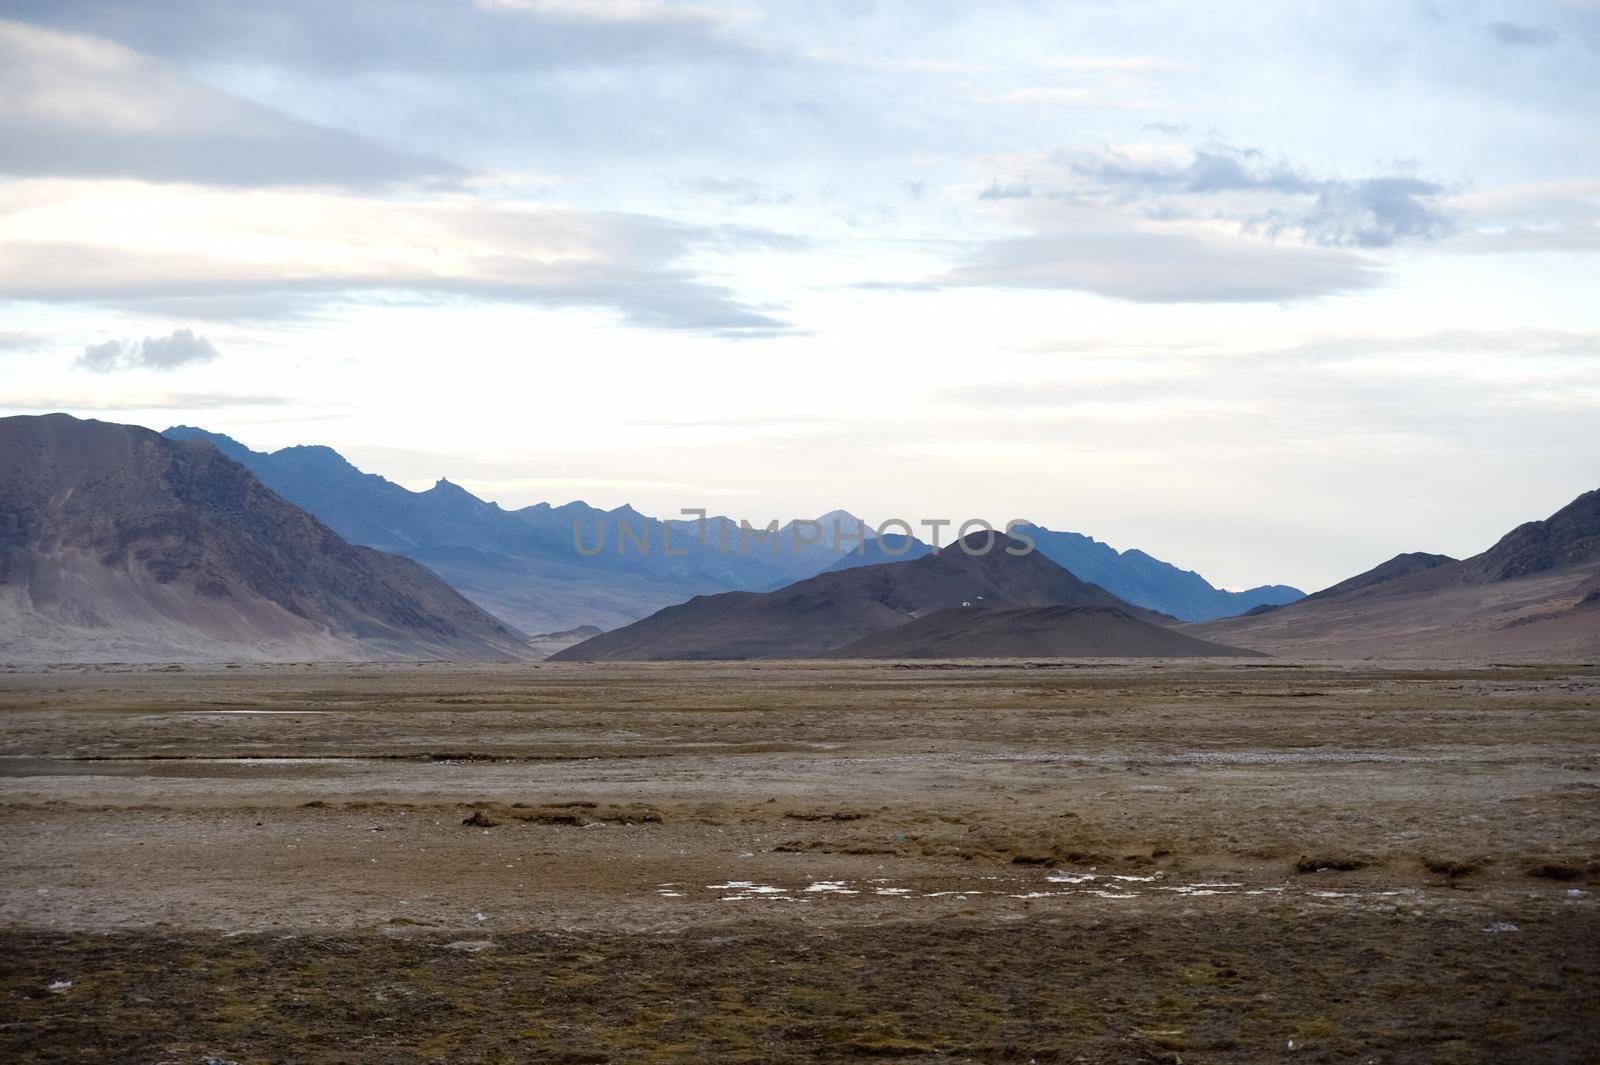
1147, 581
522, 564
119, 544
543, 568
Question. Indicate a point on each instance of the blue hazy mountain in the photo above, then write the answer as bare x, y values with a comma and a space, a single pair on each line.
1131, 575
522, 564
1149, 582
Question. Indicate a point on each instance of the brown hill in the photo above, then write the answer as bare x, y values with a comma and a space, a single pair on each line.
1402, 565
1569, 537
834, 609
1035, 632
1528, 596
117, 544
545, 644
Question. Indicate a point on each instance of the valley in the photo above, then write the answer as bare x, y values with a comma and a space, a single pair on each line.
1155, 860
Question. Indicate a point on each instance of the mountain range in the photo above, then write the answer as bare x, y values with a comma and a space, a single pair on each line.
1534, 593
118, 544
522, 564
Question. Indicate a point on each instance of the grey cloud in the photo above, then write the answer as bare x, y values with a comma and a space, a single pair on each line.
1171, 129
152, 353
1376, 212
1370, 212
1217, 168
104, 358
1155, 267
179, 349
78, 106
14, 340
1242, 170
1512, 33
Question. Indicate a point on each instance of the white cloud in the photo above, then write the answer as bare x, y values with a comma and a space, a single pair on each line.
645, 11
139, 244
734, 192
77, 105
1532, 216
135, 402
355, 37
1057, 96
1139, 64
1109, 257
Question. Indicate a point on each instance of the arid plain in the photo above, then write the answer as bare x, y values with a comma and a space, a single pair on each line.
1197, 861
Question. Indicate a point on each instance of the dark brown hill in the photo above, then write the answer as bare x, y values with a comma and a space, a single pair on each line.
117, 544
1035, 632
1531, 595
833, 609
1402, 565
1569, 537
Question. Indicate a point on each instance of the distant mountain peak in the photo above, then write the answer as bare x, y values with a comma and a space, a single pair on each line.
322, 451
317, 457
221, 441
848, 522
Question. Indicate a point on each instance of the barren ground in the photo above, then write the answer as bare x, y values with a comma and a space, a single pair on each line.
1219, 861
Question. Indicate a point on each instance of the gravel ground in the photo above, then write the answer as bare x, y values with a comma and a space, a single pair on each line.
1114, 861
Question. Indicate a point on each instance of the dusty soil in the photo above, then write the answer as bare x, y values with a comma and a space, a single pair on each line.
1215, 861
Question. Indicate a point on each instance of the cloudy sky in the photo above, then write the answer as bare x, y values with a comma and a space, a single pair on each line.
1273, 295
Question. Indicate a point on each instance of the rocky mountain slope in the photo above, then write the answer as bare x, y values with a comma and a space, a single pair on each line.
1530, 595
117, 544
